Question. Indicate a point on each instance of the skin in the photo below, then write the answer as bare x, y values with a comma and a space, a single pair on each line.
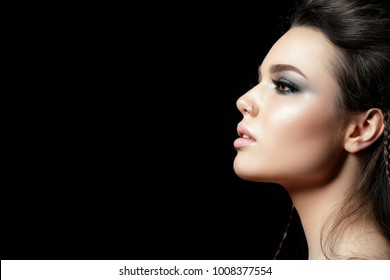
297, 134
298, 139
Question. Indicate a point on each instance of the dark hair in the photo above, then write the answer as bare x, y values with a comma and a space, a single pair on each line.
360, 29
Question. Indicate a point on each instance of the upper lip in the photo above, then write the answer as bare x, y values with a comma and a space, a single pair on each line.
244, 132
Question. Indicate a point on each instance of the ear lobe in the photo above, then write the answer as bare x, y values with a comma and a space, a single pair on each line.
364, 130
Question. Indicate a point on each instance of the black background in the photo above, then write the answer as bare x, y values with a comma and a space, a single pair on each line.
129, 151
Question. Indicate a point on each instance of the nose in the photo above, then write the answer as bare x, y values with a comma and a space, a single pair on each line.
245, 106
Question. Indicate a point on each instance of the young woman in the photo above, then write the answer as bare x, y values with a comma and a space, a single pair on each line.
317, 123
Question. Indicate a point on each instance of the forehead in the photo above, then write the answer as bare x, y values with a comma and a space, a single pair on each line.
305, 48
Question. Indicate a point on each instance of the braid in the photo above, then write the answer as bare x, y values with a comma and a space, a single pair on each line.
386, 142
284, 234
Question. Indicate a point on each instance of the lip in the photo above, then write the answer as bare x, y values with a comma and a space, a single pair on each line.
245, 137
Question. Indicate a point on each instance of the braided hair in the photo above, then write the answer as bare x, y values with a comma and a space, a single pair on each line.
386, 144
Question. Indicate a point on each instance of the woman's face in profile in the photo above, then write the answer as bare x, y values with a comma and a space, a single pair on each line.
290, 131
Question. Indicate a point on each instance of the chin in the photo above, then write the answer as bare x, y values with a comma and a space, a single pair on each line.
245, 173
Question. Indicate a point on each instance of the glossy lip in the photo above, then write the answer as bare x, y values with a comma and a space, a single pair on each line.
245, 137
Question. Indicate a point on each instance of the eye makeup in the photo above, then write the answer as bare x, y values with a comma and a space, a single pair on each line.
285, 86
283, 76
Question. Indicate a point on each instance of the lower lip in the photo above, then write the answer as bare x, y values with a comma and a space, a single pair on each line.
240, 142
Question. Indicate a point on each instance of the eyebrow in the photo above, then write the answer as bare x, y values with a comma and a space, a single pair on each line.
285, 67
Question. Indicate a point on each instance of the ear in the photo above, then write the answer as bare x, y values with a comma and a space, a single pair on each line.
364, 130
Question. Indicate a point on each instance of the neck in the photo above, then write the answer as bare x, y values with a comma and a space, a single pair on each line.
314, 208
316, 203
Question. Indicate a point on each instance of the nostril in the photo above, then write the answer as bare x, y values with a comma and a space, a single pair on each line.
250, 110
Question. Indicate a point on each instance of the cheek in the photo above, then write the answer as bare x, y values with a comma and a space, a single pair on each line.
298, 123
299, 139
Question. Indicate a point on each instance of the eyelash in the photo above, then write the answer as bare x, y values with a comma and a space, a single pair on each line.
281, 83
283, 86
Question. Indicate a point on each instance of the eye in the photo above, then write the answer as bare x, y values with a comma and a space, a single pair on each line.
284, 86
